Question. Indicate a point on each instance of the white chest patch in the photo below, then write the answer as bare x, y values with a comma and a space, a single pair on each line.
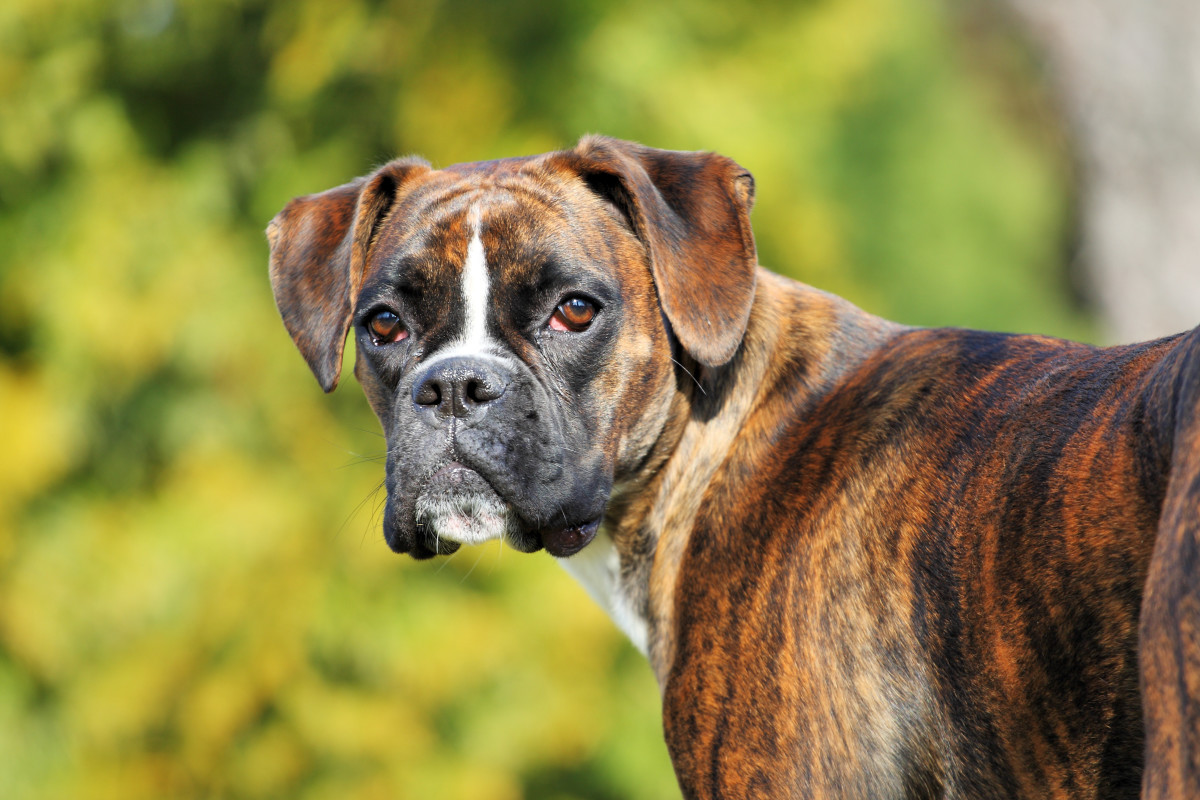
598, 568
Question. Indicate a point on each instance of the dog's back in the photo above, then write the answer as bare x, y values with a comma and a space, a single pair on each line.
1170, 638
959, 531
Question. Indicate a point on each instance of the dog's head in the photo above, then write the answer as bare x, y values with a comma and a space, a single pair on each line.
514, 323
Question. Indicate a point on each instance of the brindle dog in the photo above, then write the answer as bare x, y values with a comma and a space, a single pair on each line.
863, 559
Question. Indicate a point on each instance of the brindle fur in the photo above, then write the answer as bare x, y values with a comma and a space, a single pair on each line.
875, 561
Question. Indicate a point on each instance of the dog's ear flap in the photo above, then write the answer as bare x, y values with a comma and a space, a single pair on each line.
692, 213
319, 247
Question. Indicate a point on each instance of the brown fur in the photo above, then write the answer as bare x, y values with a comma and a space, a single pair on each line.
874, 561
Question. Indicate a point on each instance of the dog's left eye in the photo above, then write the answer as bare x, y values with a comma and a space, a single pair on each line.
385, 327
574, 314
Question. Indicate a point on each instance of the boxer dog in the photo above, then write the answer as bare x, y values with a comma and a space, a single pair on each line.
864, 560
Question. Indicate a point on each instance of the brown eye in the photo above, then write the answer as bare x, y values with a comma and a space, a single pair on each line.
385, 328
574, 314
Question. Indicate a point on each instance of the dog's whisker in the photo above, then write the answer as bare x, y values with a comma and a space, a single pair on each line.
359, 460
690, 375
366, 431
358, 507
376, 520
445, 563
473, 566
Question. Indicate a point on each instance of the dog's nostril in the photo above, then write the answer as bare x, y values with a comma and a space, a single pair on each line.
481, 391
428, 394
484, 391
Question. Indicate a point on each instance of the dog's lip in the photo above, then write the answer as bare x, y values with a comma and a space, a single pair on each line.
566, 541
454, 474
448, 470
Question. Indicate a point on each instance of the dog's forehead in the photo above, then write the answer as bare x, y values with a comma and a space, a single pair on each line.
522, 213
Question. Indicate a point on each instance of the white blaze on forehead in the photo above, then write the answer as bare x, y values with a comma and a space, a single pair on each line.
474, 292
473, 339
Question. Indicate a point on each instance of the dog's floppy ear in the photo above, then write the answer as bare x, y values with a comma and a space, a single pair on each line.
319, 247
692, 213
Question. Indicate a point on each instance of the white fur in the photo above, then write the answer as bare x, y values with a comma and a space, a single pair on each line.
475, 295
466, 520
476, 292
598, 568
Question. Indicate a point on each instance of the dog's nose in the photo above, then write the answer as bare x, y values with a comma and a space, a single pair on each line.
459, 387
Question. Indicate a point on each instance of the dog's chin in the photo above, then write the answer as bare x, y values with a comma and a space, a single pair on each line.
457, 506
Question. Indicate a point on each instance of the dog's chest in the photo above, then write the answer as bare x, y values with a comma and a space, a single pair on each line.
598, 569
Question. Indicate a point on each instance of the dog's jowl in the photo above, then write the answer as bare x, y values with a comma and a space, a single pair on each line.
864, 560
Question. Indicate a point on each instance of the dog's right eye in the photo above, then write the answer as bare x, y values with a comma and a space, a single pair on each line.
385, 327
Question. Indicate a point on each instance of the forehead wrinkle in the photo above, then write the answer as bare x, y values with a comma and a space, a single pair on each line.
502, 200
574, 203
519, 236
424, 254
533, 190
408, 224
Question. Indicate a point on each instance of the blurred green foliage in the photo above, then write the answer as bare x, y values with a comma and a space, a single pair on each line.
195, 600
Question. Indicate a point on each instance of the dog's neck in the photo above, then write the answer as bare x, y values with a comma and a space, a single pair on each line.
631, 569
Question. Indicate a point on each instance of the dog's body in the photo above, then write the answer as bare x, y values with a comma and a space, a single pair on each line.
864, 560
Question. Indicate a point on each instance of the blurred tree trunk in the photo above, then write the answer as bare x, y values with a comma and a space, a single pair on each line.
1128, 73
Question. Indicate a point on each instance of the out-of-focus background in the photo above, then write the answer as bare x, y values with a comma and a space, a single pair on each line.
195, 598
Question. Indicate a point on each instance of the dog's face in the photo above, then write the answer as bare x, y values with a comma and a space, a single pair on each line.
508, 325
496, 340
